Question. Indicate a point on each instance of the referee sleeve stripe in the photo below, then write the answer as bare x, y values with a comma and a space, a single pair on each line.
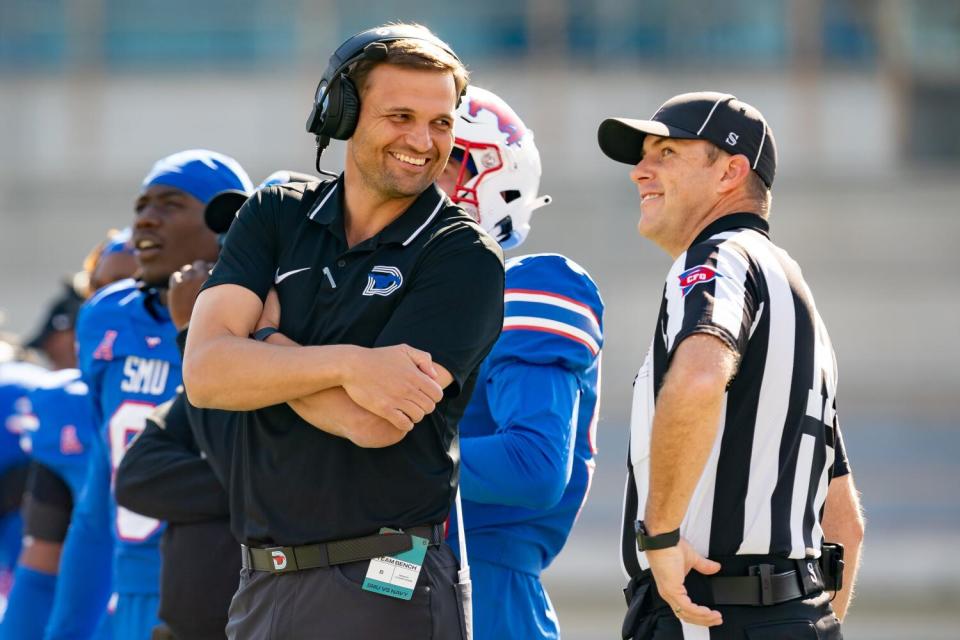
730, 290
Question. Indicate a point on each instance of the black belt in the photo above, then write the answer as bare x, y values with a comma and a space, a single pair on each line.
326, 554
760, 587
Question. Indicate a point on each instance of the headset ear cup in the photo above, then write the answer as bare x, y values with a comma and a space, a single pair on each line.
349, 109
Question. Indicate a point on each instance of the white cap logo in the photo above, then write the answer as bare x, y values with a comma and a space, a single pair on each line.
732, 138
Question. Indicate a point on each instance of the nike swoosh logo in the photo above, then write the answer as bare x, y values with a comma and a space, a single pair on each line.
281, 277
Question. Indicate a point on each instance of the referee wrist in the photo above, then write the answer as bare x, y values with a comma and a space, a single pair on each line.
647, 540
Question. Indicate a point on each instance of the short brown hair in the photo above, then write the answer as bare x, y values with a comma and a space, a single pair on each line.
411, 53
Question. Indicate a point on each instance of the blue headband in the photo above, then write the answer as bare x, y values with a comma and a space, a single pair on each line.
199, 172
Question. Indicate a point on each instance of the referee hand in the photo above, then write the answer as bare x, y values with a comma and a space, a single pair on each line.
670, 567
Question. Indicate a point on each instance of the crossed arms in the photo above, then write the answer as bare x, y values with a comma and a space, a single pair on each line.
370, 396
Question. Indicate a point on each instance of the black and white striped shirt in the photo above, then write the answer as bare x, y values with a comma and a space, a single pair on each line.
778, 444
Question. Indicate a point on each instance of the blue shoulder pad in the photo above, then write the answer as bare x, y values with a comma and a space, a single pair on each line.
60, 417
553, 313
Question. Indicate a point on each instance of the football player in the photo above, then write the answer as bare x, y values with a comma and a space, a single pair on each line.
130, 361
527, 436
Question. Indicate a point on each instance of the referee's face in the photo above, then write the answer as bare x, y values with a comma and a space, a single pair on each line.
675, 179
405, 131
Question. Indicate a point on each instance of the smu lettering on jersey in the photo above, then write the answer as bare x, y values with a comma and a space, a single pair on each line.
57, 426
129, 359
527, 438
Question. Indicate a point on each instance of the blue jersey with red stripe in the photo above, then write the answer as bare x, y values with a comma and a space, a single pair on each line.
58, 426
527, 436
129, 358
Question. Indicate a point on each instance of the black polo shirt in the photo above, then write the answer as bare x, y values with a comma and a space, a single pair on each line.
431, 279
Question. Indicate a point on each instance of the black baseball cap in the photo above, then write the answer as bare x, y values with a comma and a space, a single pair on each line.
61, 315
222, 208
720, 118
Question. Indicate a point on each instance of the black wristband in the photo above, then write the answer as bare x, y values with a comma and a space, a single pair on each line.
261, 335
647, 542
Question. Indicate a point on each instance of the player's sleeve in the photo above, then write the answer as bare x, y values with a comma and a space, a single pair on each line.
248, 257
712, 289
84, 585
553, 333
553, 314
28, 605
452, 307
528, 460
162, 474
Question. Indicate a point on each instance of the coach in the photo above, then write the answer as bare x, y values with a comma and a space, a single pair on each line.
396, 296
737, 471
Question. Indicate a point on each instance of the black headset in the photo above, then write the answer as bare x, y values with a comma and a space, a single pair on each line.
336, 103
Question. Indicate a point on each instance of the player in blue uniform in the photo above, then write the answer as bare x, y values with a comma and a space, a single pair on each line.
130, 361
16, 379
56, 426
527, 436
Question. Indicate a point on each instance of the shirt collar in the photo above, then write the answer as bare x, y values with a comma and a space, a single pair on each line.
403, 230
733, 221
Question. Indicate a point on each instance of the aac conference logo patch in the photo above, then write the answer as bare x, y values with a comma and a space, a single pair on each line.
697, 275
382, 281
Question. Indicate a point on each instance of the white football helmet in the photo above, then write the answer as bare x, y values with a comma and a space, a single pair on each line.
493, 143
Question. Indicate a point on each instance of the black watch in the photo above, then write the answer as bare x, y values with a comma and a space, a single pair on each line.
646, 542
264, 333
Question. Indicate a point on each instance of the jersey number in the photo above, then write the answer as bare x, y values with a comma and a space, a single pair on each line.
128, 421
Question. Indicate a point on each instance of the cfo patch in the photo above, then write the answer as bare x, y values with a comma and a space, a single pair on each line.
697, 275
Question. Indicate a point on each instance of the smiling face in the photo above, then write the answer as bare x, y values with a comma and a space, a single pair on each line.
169, 232
405, 130
677, 181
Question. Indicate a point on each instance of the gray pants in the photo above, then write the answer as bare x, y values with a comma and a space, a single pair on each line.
328, 604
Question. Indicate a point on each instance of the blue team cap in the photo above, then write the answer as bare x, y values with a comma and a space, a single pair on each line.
199, 172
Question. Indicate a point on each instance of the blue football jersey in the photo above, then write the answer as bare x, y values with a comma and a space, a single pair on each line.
57, 426
17, 379
129, 359
527, 436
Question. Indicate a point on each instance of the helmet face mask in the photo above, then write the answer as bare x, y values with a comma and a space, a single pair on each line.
499, 172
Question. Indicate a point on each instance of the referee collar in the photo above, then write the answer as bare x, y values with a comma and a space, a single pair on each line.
403, 230
733, 221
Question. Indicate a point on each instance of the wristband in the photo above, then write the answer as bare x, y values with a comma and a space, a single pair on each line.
647, 542
261, 335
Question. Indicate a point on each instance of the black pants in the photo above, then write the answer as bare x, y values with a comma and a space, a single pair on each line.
328, 604
801, 619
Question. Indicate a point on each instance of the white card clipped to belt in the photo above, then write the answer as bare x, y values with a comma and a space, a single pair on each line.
465, 586
396, 575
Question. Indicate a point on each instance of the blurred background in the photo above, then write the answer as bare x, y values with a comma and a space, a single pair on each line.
862, 95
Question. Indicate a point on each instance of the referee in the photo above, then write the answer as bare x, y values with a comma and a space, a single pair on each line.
737, 474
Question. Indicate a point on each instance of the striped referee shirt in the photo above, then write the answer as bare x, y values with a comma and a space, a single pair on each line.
778, 443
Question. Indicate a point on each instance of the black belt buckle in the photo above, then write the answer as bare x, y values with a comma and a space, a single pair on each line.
765, 572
